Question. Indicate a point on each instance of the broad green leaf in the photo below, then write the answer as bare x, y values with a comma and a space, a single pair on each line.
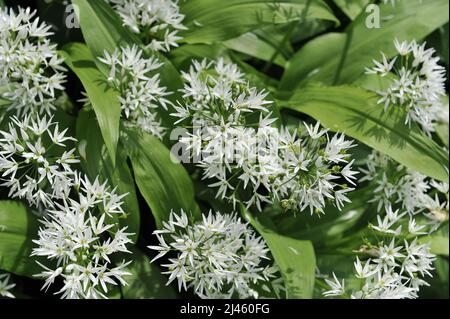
146, 280
97, 163
438, 244
442, 130
102, 28
165, 185
342, 58
442, 125
18, 227
250, 44
295, 258
356, 113
2, 4
182, 55
352, 8
104, 100
217, 20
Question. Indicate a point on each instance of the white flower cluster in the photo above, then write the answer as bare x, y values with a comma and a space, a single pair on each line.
140, 93
156, 21
30, 71
411, 191
6, 286
34, 161
219, 257
79, 233
307, 171
417, 83
233, 140
78, 237
397, 267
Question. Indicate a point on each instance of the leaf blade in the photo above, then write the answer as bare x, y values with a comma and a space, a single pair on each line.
295, 258
356, 113
17, 229
164, 184
360, 45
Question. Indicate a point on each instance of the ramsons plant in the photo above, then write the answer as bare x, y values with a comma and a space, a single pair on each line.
224, 149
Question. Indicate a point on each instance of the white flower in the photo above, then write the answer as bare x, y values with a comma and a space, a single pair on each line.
238, 148
76, 235
418, 85
156, 21
411, 191
30, 70
6, 286
219, 257
337, 287
382, 68
365, 271
34, 162
141, 93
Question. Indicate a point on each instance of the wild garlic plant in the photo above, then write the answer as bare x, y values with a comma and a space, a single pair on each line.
157, 22
394, 263
82, 236
396, 185
234, 141
136, 78
218, 257
31, 72
416, 83
6, 286
36, 161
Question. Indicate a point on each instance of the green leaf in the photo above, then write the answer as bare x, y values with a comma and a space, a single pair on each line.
217, 20
182, 55
334, 225
295, 258
352, 8
102, 28
251, 45
165, 185
438, 244
104, 100
146, 280
342, 58
356, 113
17, 229
2, 4
96, 163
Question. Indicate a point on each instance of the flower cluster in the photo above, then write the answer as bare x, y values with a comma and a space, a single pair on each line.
140, 93
393, 2
219, 257
411, 191
308, 169
79, 233
81, 237
156, 21
234, 142
417, 83
31, 72
6, 286
396, 268
35, 161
